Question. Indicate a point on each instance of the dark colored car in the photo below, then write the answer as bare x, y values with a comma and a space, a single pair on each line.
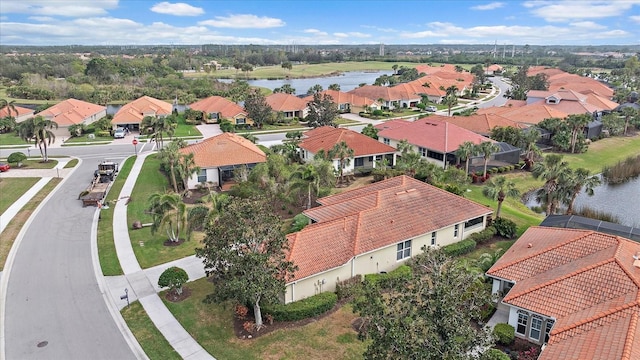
4, 167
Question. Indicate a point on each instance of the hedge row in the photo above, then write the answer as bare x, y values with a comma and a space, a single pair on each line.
460, 248
484, 235
303, 309
386, 281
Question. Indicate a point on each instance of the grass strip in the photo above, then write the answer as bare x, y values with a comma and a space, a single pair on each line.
12, 189
148, 336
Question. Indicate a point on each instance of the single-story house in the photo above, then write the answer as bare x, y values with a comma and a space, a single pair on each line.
577, 291
17, 112
73, 112
435, 139
217, 108
288, 106
388, 97
219, 156
348, 102
376, 228
366, 150
483, 123
131, 114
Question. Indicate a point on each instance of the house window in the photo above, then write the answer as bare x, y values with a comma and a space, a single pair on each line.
403, 250
433, 238
213, 116
523, 318
456, 230
547, 329
422, 151
435, 155
358, 162
202, 176
240, 121
536, 325
385, 141
474, 222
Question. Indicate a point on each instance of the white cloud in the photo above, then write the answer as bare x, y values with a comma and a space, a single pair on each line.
340, 35
490, 6
387, 30
42, 18
635, 18
243, 21
567, 10
69, 8
315, 32
588, 25
177, 9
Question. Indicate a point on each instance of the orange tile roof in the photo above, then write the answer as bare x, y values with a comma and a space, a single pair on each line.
534, 113
483, 123
378, 92
432, 132
224, 150
600, 101
340, 97
326, 137
217, 104
134, 112
19, 109
586, 281
286, 102
559, 79
71, 112
359, 221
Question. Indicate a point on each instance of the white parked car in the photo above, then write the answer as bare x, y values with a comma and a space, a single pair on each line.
431, 108
119, 133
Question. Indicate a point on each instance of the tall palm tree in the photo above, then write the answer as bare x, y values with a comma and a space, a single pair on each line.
307, 176
528, 143
10, 105
451, 98
579, 179
38, 129
465, 151
576, 124
186, 168
498, 189
170, 156
553, 170
169, 213
486, 149
343, 153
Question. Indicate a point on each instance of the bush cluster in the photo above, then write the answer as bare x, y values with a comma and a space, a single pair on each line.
348, 288
504, 333
303, 309
483, 236
505, 228
494, 354
388, 280
460, 248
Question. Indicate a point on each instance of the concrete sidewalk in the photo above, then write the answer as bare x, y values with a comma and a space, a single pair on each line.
142, 284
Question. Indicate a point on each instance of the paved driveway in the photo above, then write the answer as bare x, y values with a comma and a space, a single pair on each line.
52, 297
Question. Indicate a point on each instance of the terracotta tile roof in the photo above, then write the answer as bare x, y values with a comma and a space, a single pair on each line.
326, 137
560, 95
286, 102
600, 101
21, 111
534, 113
373, 217
483, 123
378, 92
224, 150
432, 132
134, 112
218, 104
71, 112
586, 281
341, 97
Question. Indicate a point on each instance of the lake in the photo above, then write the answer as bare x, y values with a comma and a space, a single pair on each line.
347, 81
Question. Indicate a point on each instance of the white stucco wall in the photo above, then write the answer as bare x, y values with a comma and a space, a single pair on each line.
212, 176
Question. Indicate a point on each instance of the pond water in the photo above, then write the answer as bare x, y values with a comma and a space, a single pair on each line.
347, 81
620, 200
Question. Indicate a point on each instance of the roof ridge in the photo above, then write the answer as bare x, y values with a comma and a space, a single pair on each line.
628, 343
595, 317
561, 278
356, 237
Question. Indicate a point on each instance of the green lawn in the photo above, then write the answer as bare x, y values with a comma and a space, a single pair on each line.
11, 190
11, 139
149, 337
106, 249
85, 139
211, 325
72, 163
149, 248
34, 163
605, 152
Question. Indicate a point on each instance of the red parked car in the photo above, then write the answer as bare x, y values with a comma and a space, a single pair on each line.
4, 167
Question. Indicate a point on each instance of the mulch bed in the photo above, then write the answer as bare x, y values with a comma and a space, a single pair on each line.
241, 333
174, 297
170, 243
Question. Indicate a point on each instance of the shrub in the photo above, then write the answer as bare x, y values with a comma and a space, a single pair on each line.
390, 279
299, 222
494, 354
484, 235
17, 158
505, 227
348, 288
173, 278
103, 133
197, 217
460, 248
303, 309
504, 334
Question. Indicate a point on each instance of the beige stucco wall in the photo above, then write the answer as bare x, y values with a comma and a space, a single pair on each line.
212, 175
383, 259
394, 143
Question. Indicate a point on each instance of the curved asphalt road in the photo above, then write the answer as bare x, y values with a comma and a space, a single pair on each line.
52, 292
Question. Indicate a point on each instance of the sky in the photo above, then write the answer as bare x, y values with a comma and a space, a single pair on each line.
326, 22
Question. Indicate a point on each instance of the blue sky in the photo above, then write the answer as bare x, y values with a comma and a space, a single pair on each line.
119, 22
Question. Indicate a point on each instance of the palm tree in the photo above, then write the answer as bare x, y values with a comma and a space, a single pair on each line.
498, 189
451, 98
554, 171
10, 105
465, 151
170, 156
529, 139
486, 149
628, 114
249, 136
576, 124
308, 176
39, 129
343, 153
186, 168
579, 179
169, 213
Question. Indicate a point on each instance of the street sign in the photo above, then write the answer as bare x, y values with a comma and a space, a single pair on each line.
135, 141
